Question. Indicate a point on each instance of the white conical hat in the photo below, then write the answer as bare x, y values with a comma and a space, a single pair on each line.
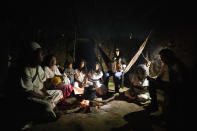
34, 46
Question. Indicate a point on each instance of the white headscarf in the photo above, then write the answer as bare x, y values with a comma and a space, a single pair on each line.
144, 68
34, 46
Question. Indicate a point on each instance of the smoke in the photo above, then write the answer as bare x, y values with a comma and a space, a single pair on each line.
154, 54
156, 62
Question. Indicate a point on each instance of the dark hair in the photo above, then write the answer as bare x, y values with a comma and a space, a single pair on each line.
120, 54
66, 64
31, 58
48, 59
167, 53
83, 60
96, 63
84, 69
117, 49
144, 69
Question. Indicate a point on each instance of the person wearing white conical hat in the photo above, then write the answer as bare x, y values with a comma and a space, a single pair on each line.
32, 83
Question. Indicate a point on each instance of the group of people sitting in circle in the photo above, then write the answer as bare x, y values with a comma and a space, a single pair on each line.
44, 86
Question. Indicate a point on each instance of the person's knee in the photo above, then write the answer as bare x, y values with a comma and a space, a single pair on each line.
47, 106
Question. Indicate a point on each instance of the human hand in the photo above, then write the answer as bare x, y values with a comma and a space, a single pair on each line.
148, 63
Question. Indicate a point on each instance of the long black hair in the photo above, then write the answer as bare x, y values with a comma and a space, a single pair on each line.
94, 67
47, 60
84, 69
114, 52
67, 63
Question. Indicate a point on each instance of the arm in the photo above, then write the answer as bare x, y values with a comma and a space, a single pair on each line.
159, 82
76, 78
57, 72
85, 82
27, 85
135, 81
42, 75
97, 76
48, 73
163, 69
34, 94
45, 91
136, 84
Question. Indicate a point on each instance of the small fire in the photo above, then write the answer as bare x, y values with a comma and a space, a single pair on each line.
97, 107
85, 103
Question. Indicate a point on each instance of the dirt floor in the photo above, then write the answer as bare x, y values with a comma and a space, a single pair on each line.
116, 115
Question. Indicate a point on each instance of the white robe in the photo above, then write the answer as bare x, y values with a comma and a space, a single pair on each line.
95, 81
142, 95
50, 73
80, 76
37, 85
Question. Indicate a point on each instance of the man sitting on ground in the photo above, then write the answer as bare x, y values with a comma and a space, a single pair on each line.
40, 102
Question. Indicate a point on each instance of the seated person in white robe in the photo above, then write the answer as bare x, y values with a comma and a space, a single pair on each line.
55, 80
32, 80
94, 78
80, 78
139, 84
51, 70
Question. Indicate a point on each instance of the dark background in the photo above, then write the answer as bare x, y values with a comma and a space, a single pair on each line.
53, 25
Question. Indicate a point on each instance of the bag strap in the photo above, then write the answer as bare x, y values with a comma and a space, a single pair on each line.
34, 77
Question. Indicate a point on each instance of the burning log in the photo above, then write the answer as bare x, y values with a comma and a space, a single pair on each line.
88, 105
85, 103
85, 106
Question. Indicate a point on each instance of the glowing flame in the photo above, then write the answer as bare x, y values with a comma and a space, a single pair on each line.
97, 107
85, 103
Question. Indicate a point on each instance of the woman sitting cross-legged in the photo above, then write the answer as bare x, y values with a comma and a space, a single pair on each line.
70, 72
55, 79
80, 78
139, 85
94, 78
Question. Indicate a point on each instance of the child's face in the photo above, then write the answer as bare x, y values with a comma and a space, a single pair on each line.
82, 64
70, 66
96, 66
53, 62
117, 52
